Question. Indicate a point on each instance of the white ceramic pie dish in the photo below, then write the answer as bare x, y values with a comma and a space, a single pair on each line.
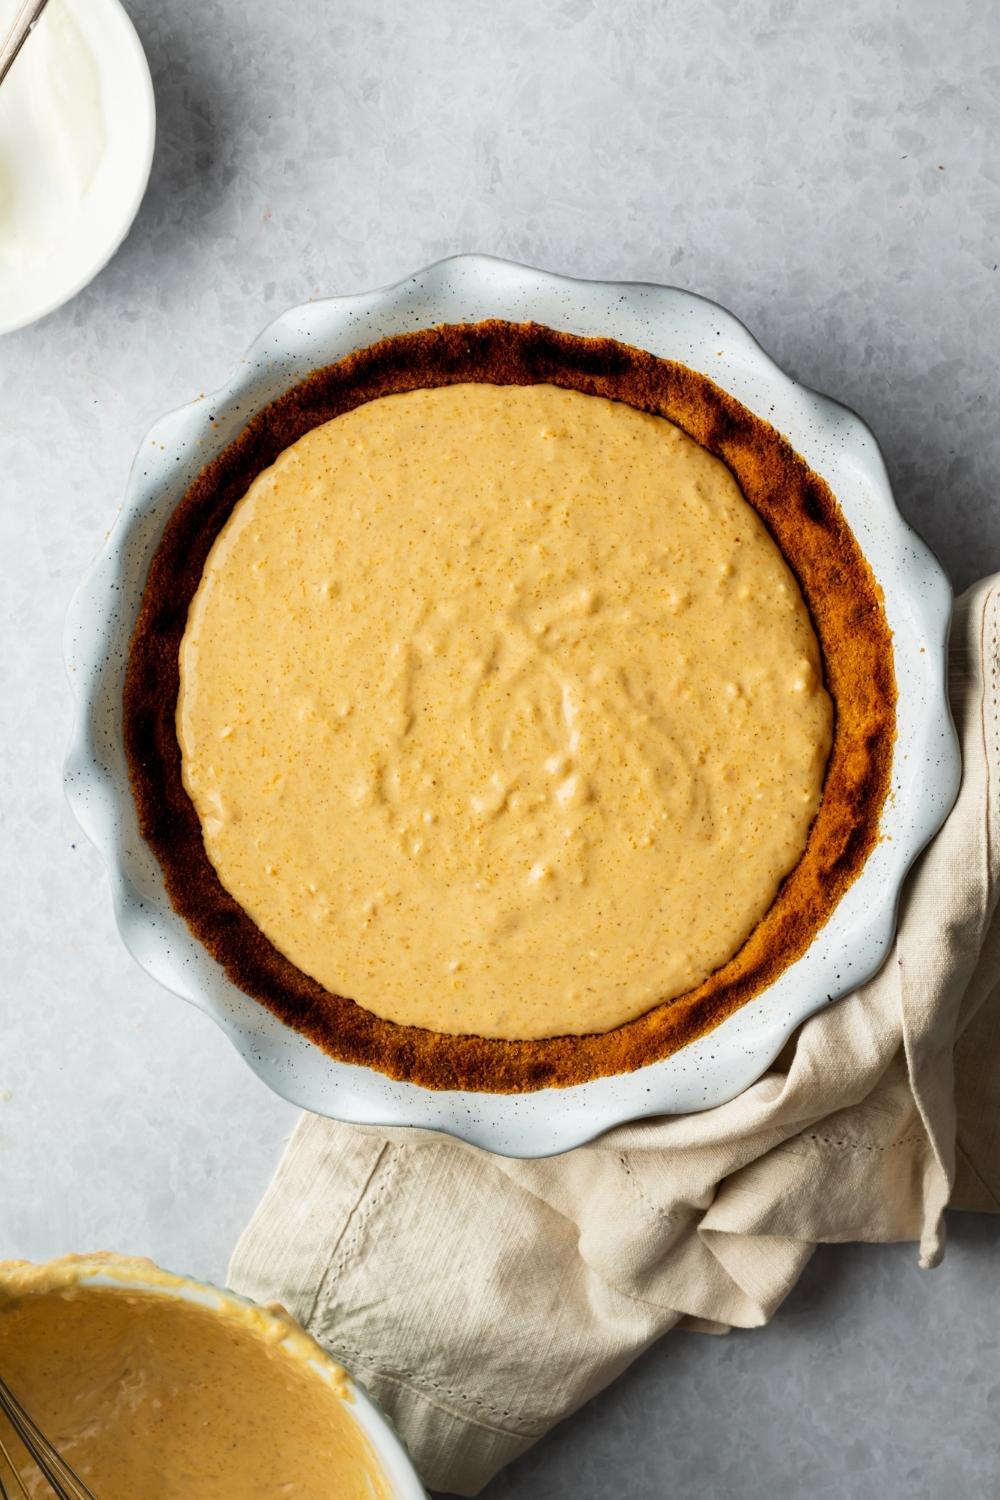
671, 323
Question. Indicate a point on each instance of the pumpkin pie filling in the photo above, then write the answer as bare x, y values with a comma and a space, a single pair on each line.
147, 1394
507, 708
500, 710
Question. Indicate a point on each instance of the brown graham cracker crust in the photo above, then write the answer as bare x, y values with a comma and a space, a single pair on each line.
803, 517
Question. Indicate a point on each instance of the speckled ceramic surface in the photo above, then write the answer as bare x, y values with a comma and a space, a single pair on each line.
669, 322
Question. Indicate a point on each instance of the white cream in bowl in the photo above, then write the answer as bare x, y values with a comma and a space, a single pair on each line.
77, 125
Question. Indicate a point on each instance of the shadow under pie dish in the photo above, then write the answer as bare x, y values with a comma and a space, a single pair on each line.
419, 768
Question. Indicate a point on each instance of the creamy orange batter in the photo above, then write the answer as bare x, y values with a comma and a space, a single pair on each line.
149, 1396
501, 711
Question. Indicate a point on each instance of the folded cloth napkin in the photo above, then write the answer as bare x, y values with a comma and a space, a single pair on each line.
482, 1299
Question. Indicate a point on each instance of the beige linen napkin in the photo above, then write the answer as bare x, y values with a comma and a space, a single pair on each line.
481, 1299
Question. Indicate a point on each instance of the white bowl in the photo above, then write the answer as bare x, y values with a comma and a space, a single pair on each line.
143, 1276
668, 322
90, 232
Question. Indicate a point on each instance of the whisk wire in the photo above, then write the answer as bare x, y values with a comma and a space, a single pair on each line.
65, 1483
9, 1464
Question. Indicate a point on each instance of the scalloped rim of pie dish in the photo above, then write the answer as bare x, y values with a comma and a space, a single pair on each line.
803, 517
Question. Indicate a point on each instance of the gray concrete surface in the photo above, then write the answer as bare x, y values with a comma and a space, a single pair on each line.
829, 172
876, 1381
